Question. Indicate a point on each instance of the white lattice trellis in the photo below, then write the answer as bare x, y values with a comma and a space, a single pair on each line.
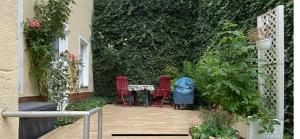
272, 23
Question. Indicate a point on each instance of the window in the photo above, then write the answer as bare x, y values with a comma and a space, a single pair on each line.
84, 55
61, 44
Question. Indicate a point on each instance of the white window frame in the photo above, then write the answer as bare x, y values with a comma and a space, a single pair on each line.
84, 78
64, 42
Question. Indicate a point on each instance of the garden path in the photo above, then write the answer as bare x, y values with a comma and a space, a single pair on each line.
133, 120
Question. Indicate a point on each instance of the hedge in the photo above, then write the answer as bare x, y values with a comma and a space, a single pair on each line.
140, 38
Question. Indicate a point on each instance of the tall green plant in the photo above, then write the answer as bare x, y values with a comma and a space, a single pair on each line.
228, 70
245, 13
227, 74
41, 32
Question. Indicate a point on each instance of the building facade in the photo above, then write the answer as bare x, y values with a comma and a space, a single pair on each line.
77, 42
16, 85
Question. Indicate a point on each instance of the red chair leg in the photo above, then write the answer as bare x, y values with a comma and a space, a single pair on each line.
162, 102
124, 103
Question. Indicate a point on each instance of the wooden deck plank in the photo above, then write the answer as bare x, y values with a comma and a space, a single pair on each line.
133, 120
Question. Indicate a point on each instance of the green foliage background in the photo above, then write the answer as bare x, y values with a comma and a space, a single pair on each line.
146, 37
140, 38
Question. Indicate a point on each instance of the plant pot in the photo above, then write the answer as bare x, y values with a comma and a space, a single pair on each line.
263, 45
251, 130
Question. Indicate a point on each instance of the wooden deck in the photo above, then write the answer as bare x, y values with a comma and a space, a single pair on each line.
133, 120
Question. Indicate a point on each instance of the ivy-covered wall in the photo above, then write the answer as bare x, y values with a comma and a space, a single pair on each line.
140, 38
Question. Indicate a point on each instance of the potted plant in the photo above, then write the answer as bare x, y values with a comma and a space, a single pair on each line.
261, 38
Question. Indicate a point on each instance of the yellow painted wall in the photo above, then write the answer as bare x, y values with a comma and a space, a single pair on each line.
8, 67
79, 25
30, 86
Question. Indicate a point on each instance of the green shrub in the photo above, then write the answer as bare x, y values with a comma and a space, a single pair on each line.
245, 13
215, 124
188, 69
175, 73
81, 106
228, 70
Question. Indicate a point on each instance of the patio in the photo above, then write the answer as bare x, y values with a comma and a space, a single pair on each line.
133, 120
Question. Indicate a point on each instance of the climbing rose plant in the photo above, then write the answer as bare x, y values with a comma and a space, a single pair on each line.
41, 31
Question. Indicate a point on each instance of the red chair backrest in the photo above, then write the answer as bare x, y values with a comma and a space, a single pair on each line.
122, 84
165, 85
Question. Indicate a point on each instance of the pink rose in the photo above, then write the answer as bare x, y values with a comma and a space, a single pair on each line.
35, 24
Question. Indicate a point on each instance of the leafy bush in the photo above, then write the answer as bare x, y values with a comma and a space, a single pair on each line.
172, 72
188, 69
215, 124
81, 106
228, 70
175, 73
245, 13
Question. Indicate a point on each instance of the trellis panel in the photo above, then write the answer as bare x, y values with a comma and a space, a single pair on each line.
272, 64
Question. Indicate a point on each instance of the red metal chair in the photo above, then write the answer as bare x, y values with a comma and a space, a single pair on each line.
164, 91
122, 90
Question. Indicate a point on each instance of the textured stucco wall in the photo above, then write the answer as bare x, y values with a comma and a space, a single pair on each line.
30, 86
79, 25
8, 67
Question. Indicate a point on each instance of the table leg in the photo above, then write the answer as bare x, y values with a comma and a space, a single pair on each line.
134, 98
147, 98
130, 101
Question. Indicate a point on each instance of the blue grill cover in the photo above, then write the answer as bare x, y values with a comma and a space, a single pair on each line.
184, 91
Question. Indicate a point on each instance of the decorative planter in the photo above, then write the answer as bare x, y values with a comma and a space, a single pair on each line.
251, 130
263, 45
35, 127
